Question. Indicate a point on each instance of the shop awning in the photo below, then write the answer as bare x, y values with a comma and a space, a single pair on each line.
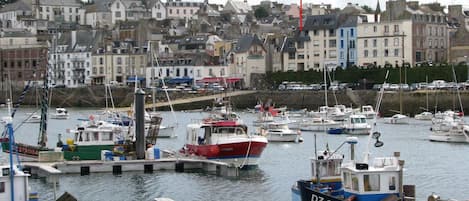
132, 79
179, 80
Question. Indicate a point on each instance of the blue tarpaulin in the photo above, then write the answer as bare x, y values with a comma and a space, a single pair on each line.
132, 79
179, 80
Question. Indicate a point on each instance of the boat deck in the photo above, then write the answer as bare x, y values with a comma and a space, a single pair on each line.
51, 170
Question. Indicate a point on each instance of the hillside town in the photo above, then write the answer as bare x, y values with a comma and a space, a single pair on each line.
120, 42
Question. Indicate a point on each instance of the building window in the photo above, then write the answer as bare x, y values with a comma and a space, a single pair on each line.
158, 15
170, 11
177, 11
396, 28
375, 29
430, 43
341, 33
396, 41
341, 43
332, 43
375, 53
184, 11
101, 70
351, 32
365, 43
118, 5
341, 55
396, 52
442, 43
2, 187
101, 61
374, 42
385, 42
386, 29
386, 52
119, 60
365, 53
119, 69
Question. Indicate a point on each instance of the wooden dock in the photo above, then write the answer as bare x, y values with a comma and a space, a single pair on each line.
52, 170
191, 100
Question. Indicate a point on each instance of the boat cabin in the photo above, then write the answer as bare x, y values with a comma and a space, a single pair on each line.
367, 108
357, 119
372, 183
208, 133
277, 126
326, 166
98, 134
20, 184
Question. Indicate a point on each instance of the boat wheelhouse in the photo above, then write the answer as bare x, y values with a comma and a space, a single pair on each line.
226, 140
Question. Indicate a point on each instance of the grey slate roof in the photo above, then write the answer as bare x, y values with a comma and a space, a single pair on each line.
99, 6
288, 45
85, 38
319, 22
61, 2
245, 42
18, 5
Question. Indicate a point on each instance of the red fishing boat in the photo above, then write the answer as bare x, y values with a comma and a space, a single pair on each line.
225, 140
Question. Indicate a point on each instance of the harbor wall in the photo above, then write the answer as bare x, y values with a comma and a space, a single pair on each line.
413, 102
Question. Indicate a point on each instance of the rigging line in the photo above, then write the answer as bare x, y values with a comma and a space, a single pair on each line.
166, 92
25, 121
333, 91
457, 89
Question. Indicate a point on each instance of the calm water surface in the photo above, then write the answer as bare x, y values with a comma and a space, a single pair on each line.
431, 166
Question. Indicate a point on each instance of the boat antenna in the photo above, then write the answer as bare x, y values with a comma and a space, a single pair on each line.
373, 134
165, 89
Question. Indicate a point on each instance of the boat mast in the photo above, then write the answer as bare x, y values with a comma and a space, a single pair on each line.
373, 125
325, 85
42, 141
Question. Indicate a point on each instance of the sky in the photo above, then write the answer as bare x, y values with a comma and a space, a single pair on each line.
342, 3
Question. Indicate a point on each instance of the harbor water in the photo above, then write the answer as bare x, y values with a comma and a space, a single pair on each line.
431, 166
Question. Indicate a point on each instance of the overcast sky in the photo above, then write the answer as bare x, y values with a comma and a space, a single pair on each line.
342, 3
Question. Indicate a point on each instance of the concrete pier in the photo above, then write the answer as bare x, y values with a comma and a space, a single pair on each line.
51, 170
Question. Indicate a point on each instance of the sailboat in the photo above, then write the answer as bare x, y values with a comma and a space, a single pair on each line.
452, 127
321, 121
165, 131
30, 151
399, 118
425, 115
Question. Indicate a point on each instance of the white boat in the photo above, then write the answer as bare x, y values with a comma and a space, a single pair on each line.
357, 125
315, 124
397, 119
426, 116
34, 118
368, 111
165, 131
279, 131
60, 113
448, 130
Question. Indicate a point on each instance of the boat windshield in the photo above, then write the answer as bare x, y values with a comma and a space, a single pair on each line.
358, 120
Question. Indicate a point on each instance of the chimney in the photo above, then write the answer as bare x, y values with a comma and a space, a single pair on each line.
74, 38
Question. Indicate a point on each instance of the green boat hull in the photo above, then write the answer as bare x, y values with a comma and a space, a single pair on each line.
86, 152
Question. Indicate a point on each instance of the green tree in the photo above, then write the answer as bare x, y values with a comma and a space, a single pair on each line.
367, 9
261, 12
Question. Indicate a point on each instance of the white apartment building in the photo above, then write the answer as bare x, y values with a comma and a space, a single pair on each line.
158, 10
177, 9
98, 15
123, 10
10, 14
60, 10
70, 58
385, 43
315, 48
184, 71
